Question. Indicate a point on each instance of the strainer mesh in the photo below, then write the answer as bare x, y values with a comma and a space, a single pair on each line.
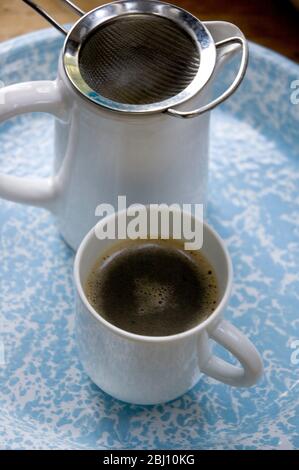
139, 59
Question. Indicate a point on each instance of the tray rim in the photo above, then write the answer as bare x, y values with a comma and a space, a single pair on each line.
49, 34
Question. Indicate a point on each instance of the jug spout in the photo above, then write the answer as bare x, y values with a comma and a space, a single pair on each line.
221, 31
229, 40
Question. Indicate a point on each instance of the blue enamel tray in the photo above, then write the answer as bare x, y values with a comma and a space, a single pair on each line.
47, 401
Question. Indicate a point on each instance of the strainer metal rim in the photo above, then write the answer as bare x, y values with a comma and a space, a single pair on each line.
100, 15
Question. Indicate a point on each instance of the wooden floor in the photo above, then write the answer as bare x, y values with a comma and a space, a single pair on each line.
273, 23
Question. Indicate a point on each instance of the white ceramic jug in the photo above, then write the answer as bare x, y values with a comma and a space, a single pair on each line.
105, 149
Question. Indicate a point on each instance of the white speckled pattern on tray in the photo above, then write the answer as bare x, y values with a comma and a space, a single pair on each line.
47, 401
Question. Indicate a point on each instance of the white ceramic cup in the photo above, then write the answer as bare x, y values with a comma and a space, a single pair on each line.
151, 369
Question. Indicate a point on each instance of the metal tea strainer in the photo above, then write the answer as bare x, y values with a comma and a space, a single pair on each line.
141, 56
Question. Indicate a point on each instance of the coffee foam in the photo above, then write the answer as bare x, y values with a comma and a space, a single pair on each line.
153, 287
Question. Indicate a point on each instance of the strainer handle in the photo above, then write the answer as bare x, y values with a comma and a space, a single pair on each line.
42, 12
230, 90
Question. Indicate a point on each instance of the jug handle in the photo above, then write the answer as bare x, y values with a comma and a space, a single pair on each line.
37, 96
229, 91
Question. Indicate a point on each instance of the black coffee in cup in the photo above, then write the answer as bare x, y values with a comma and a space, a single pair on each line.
152, 287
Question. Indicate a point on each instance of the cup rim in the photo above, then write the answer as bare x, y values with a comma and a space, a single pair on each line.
143, 338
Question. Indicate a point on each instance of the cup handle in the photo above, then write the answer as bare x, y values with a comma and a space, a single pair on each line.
37, 96
239, 345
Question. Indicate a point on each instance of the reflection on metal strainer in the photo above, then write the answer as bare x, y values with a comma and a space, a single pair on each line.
139, 59
142, 57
